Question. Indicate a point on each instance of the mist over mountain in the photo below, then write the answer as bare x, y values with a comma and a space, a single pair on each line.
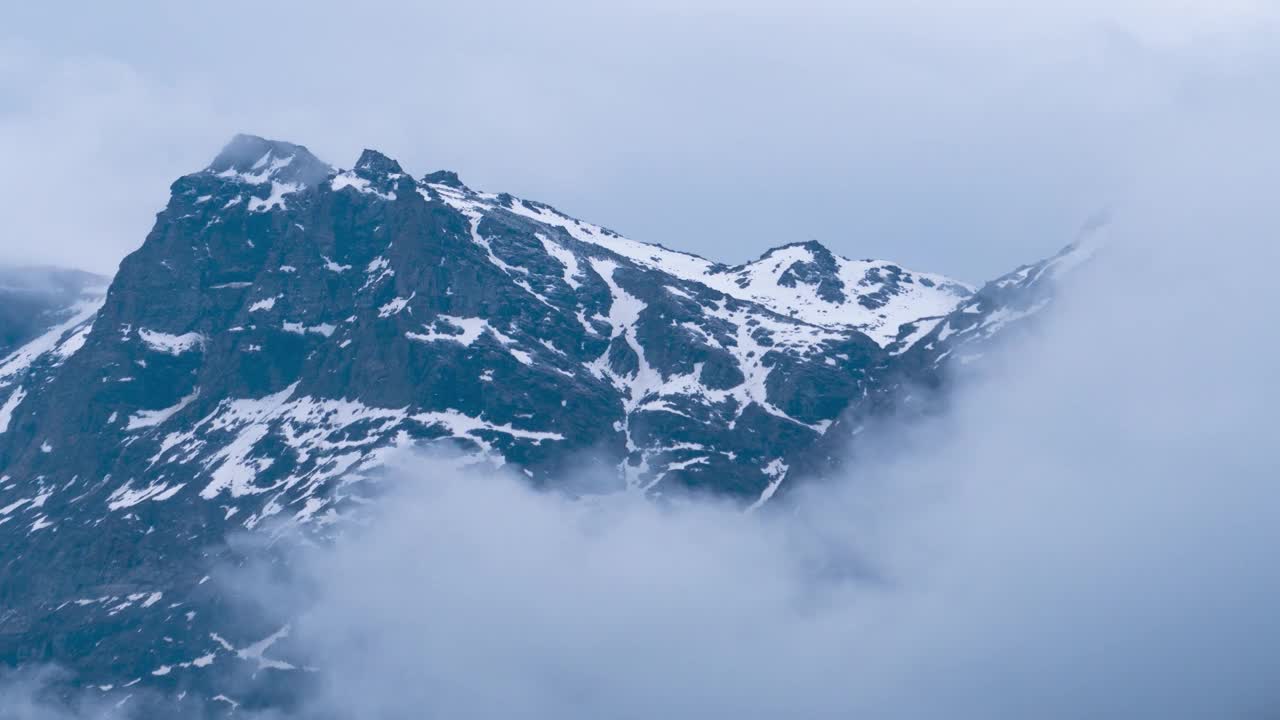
287, 325
670, 359
360, 443
34, 299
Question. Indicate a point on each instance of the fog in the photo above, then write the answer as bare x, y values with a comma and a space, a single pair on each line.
31, 693
1089, 533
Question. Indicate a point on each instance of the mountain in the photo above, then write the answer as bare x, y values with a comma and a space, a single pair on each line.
286, 324
33, 300
1006, 302
45, 314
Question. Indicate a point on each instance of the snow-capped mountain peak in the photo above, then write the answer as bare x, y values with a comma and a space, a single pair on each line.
286, 325
804, 280
266, 171
254, 160
809, 282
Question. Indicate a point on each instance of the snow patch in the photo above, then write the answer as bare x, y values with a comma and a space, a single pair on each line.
298, 328
566, 258
10, 404
257, 651
275, 199
349, 179
172, 344
395, 306
332, 266
151, 418
265, 304
126, 496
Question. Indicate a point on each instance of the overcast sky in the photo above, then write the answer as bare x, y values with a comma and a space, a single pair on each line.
957, 137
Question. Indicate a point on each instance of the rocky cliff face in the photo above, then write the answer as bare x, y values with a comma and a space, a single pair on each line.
285, 324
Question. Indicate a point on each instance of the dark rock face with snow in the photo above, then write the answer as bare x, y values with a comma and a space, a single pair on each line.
33, 300
286, 324
1004, 303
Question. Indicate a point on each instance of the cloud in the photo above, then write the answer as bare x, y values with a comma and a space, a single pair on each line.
958, 137
31, 693
1088, 534
90, 143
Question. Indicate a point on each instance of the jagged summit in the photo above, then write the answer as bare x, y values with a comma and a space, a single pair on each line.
257, 160
447, 178
374, 164
805, 280
375, 174
244, 150
813, 246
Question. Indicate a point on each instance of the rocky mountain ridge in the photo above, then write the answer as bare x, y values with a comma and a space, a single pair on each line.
286, 325
33, 300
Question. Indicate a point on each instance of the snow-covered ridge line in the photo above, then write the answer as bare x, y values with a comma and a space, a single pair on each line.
803, 281
63, 339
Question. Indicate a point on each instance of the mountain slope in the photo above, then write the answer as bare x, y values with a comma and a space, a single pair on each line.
45, 314
286, 324
35, 299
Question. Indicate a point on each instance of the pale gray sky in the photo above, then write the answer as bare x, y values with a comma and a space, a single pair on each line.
958, 137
